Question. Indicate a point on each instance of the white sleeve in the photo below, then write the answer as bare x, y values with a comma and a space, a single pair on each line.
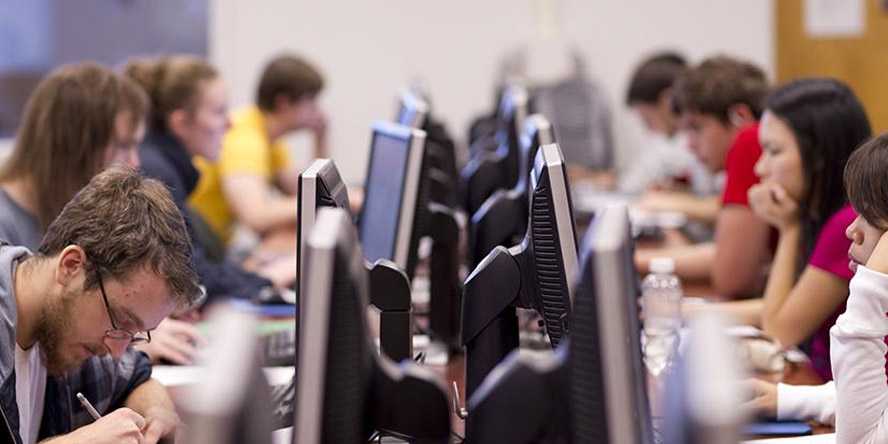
857, 352
807, 402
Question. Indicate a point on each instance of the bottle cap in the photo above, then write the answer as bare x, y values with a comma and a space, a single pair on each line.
662, 265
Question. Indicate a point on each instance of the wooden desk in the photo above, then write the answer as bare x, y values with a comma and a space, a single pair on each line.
793, 373
671, 239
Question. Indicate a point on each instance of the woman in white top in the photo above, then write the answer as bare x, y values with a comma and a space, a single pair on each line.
857, 402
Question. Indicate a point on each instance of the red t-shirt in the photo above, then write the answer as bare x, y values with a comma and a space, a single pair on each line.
740, 166
830, 255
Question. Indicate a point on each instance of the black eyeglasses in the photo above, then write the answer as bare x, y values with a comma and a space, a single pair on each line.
119, 334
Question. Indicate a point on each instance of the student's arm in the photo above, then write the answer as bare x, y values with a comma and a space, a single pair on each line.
288, 180
794, 310
136, 409
744, 312
692, 262
857, 353
254, 203
703, 209
741, 251
795, 307
788, 402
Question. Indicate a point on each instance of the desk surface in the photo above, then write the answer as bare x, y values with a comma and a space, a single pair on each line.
177, 378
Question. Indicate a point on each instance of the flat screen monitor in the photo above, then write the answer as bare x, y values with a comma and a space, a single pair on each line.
391, 193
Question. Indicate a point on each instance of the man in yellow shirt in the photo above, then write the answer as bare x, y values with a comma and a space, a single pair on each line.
253, 181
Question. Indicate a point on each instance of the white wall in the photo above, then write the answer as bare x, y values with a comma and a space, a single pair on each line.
370, 49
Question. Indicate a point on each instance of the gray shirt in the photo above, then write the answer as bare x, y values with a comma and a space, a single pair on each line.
17, 225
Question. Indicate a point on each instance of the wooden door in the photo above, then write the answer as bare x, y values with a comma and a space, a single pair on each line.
860, 61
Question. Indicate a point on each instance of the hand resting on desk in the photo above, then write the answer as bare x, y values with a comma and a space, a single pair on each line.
174, 341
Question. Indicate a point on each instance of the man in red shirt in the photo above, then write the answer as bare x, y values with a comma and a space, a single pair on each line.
720, 101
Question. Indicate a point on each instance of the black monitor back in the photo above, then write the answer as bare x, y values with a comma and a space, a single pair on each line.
319, 185
334, 364
502, 219
609, 397
344, 389
488, 171
553, 242
534, 274
593, 389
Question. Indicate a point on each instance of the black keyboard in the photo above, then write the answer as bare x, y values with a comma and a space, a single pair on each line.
280, 348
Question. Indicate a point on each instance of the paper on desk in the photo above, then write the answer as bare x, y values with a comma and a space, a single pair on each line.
178, 375
829, 438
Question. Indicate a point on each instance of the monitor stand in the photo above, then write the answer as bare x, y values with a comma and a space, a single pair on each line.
390, 294
490, 324
500, 220
444, 280
410, 402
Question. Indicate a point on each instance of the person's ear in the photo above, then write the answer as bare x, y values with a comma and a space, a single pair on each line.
177, 121
71, 263
740, 115
282, 103
664, 99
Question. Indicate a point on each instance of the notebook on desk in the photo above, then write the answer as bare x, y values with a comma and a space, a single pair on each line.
829, 438
181, 375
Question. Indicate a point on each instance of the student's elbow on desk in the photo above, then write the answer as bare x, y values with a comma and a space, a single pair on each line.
731, 284
256, 219
252, 204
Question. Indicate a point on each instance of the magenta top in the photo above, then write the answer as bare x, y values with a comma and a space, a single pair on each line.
830, 255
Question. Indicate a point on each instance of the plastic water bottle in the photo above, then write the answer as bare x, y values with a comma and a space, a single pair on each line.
661, 303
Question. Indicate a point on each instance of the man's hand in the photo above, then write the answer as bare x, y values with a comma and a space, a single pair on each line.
281, 272
764, 398
122, 426
160, 423
174, 341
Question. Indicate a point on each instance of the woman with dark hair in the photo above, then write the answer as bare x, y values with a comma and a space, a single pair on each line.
808, 130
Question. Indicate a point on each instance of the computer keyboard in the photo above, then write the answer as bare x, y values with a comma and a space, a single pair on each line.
280, 348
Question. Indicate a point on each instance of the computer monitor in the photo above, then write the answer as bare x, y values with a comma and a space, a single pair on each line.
502, 219
703, 389
344, 390
609, 394
488, 171
320, 185
534, 274
232, 403
412, 110
436, 218
593, 388
392, 195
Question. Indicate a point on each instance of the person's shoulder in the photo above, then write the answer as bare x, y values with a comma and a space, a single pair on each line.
747, 141
155, 165
839, 221
247, 120
831, 248
150, 157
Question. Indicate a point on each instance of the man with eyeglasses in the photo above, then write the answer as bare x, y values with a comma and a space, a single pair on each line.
115, 263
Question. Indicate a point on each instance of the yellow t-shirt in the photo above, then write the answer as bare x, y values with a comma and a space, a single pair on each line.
246, 150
